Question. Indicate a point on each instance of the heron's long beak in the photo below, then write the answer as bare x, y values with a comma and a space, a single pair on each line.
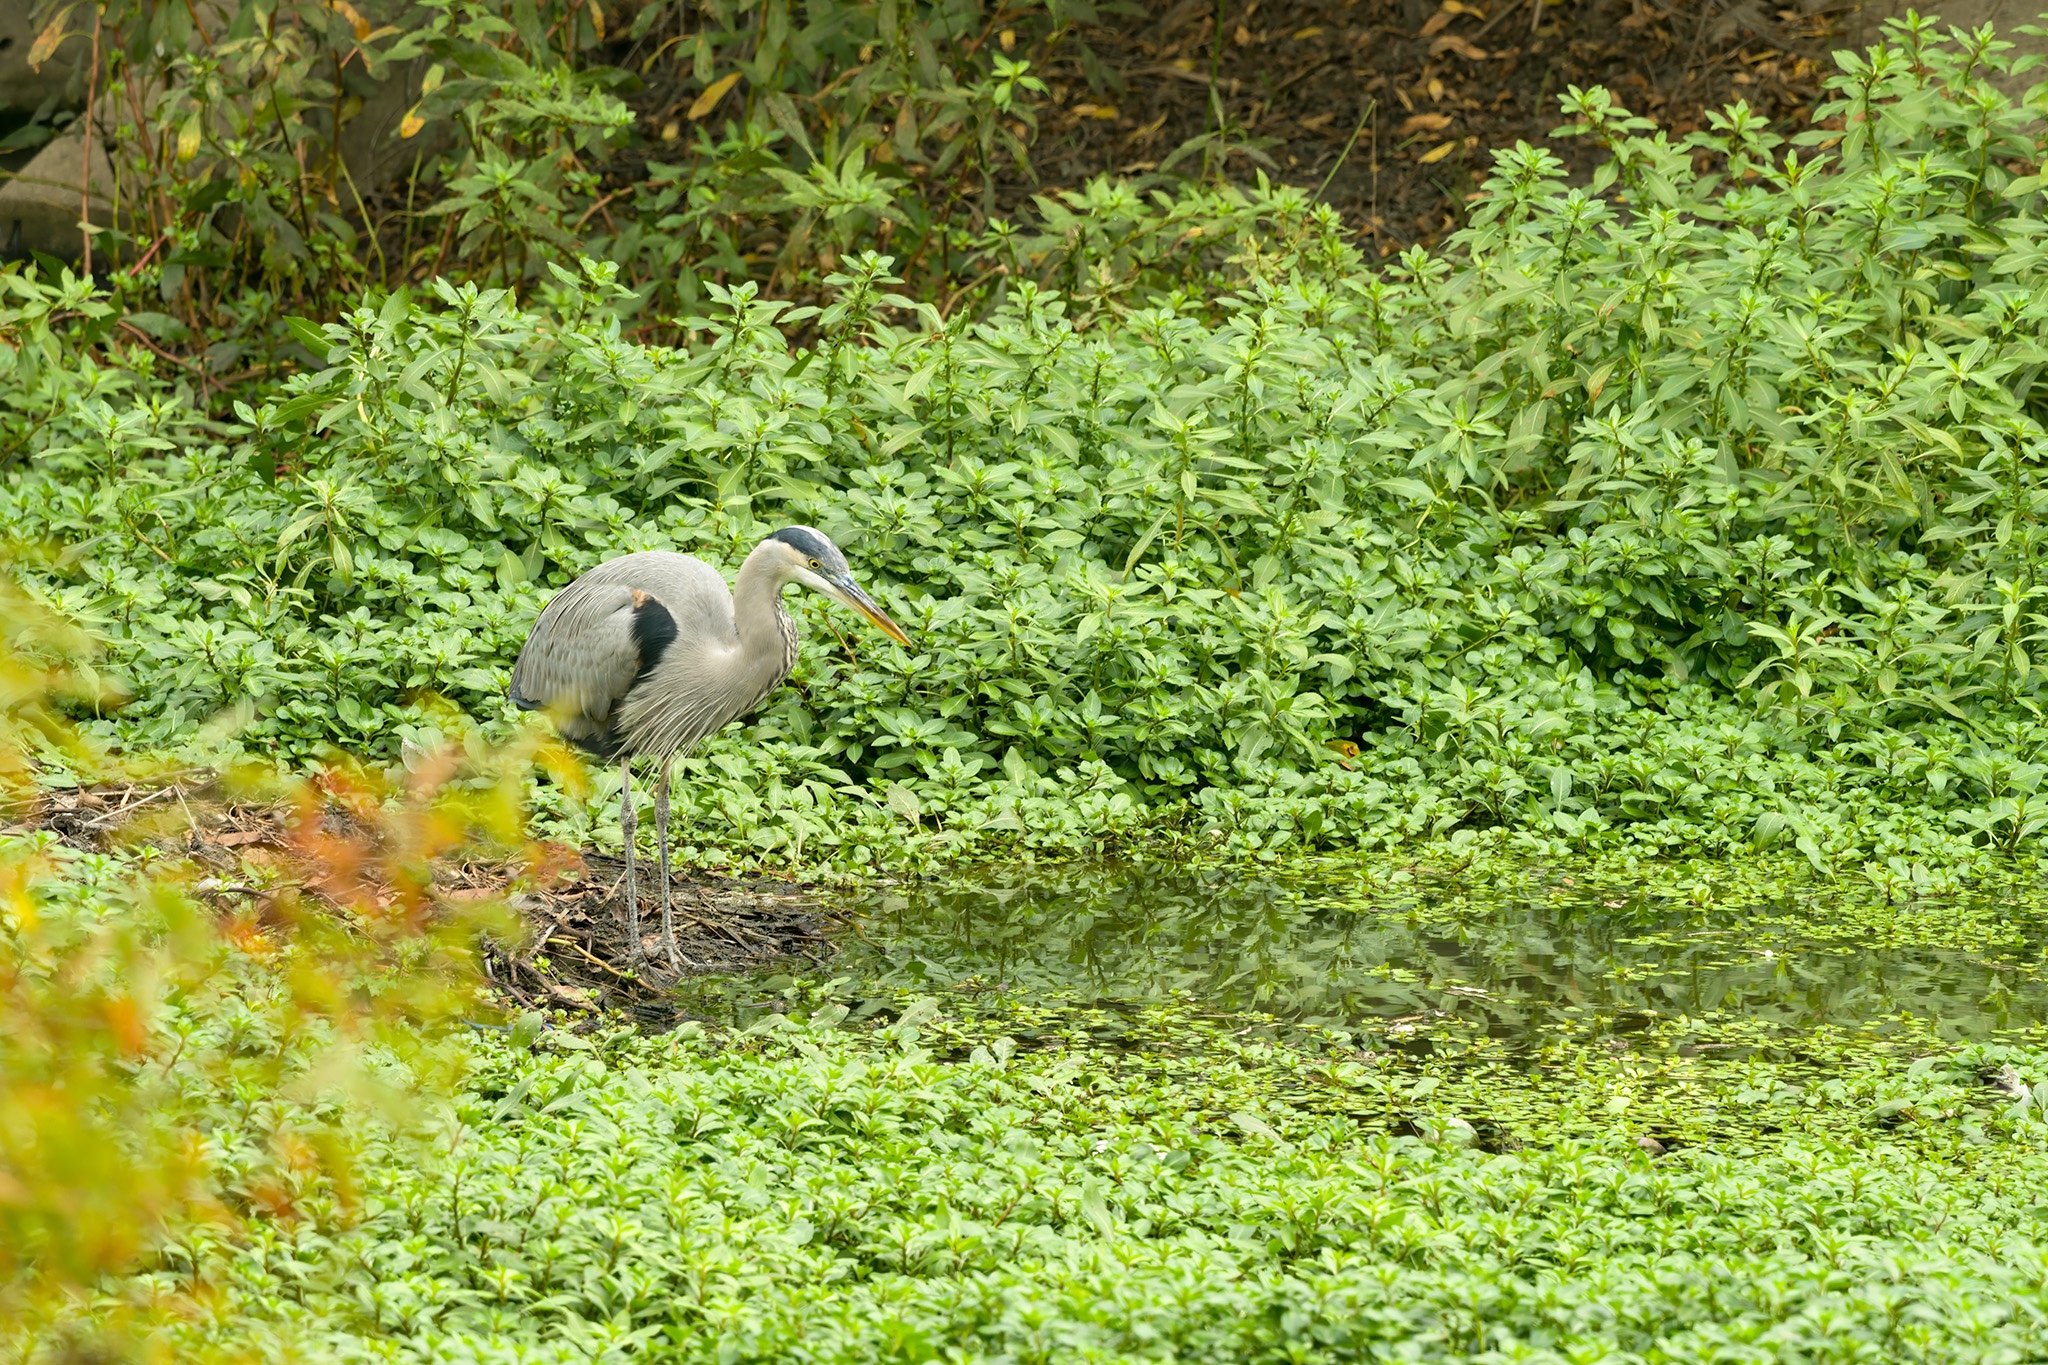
847, 591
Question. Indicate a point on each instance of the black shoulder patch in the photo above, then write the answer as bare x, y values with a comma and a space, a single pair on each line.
654, 630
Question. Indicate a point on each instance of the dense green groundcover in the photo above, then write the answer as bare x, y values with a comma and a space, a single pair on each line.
919, 1187
1696, 510
1024, 1167
1569, 1140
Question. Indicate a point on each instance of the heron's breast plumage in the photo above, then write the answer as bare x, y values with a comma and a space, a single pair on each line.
787, 629
699, 687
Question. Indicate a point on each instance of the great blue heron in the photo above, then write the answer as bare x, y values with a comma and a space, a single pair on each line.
649, 654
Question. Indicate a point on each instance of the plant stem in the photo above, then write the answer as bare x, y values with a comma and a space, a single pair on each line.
1215, 70
1371, 108
92, 83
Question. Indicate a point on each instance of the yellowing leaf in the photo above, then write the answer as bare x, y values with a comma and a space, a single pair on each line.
597, 19
708, 101
1425, 123
412, 122
431, 82
124, 1022
46, 42
1312, 31
356, 21
188, 138
1598, 381
1436, 154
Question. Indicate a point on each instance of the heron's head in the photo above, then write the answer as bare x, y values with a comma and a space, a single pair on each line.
816, 562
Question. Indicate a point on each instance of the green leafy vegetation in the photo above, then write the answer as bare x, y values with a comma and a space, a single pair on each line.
184, 1054
1681, 529
1692, 511
841, 1170
810, 1192
275, 156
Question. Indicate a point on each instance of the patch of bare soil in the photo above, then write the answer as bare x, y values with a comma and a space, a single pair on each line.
573, 955
1390, 108
90, 817
576, 954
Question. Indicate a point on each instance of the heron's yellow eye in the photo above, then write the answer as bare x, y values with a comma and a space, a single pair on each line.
814, 563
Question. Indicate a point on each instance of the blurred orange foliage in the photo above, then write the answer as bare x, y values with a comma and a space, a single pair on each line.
176, 1063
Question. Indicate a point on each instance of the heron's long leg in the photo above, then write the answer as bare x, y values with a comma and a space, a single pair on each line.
668, 917
627, 823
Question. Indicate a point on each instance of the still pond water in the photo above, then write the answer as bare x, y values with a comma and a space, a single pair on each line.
1511, 961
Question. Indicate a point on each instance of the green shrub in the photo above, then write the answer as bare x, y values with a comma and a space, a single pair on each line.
1698, 508
263, 166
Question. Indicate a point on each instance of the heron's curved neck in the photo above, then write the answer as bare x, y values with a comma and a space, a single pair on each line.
757, 604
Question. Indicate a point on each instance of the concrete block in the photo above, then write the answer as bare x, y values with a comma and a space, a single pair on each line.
39, 206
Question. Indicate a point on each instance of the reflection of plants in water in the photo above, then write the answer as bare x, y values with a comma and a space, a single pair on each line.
1509, 961
1255, 944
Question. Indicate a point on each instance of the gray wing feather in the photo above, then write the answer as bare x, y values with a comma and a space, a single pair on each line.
581, 658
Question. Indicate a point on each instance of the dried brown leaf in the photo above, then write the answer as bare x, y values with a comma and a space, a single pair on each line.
1451, 42
1425, 123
